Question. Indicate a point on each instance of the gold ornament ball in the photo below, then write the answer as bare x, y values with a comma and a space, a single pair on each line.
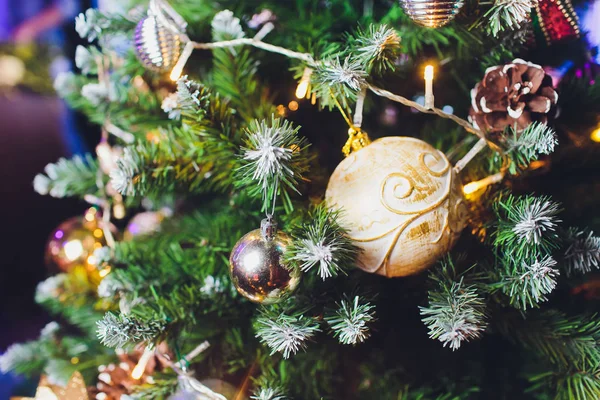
156, 46
402, 203
257, 268
431, 13
73, 243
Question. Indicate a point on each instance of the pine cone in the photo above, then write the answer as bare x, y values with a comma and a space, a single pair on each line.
514, 94
115, 381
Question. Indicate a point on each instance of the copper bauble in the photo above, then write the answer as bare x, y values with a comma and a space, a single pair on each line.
257, 268
402, 202
156, 46
73, 243
431, 13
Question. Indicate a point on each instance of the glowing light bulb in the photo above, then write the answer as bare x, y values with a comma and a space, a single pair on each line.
429, 86
595, 136
302, 89
185, 55
140, 367
73, 250
429, 72
471, 188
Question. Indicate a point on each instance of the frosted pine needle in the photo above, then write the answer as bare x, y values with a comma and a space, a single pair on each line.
378, 44
51, 288
170, 106
454, 316
350, 73
269, 393
121, 178
272, 158
225, 26
533, 284
508, 14
84, 60
50, 330
322, 243
535, 218
286, 334
16, 354
269, 156
90, 24
311, 253
122, 331
350, 322
583, 251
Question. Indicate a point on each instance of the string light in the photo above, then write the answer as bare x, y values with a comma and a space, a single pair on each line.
429, 86
473, 187
140, 367
302, 89
185, 55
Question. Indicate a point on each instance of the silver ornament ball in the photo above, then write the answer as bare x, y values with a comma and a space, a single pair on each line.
432, 13
157, 47
257, 268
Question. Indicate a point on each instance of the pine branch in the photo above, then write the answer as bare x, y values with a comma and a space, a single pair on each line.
21, 358
121, 331
568, 342
273, 162
285, 334
377, 48
508, 14
528, 284
582, 252
350, 322
526, 146
526, 227
456, 312
338, 82
234, 75
72, 296
75, 177
197, 157
322, 243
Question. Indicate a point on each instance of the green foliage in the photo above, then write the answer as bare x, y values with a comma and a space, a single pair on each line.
507, 15
570, 344
376, 48
65, 178
350, 321
273, 161
121, 331
526, 227
526, 146
322, 242
234, 75
456, 311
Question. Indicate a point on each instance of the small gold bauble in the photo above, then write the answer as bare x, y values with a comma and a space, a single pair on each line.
156, 46
432, 13
257, 268
73, 243
403, 205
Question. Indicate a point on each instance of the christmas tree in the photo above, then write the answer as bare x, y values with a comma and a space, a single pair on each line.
304, 217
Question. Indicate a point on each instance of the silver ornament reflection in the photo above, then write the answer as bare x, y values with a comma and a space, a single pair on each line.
156, 46
257, 268
432, 13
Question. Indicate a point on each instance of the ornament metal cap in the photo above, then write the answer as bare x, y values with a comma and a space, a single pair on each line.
268, 228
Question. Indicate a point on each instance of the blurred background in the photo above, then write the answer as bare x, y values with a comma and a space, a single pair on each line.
37, 42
